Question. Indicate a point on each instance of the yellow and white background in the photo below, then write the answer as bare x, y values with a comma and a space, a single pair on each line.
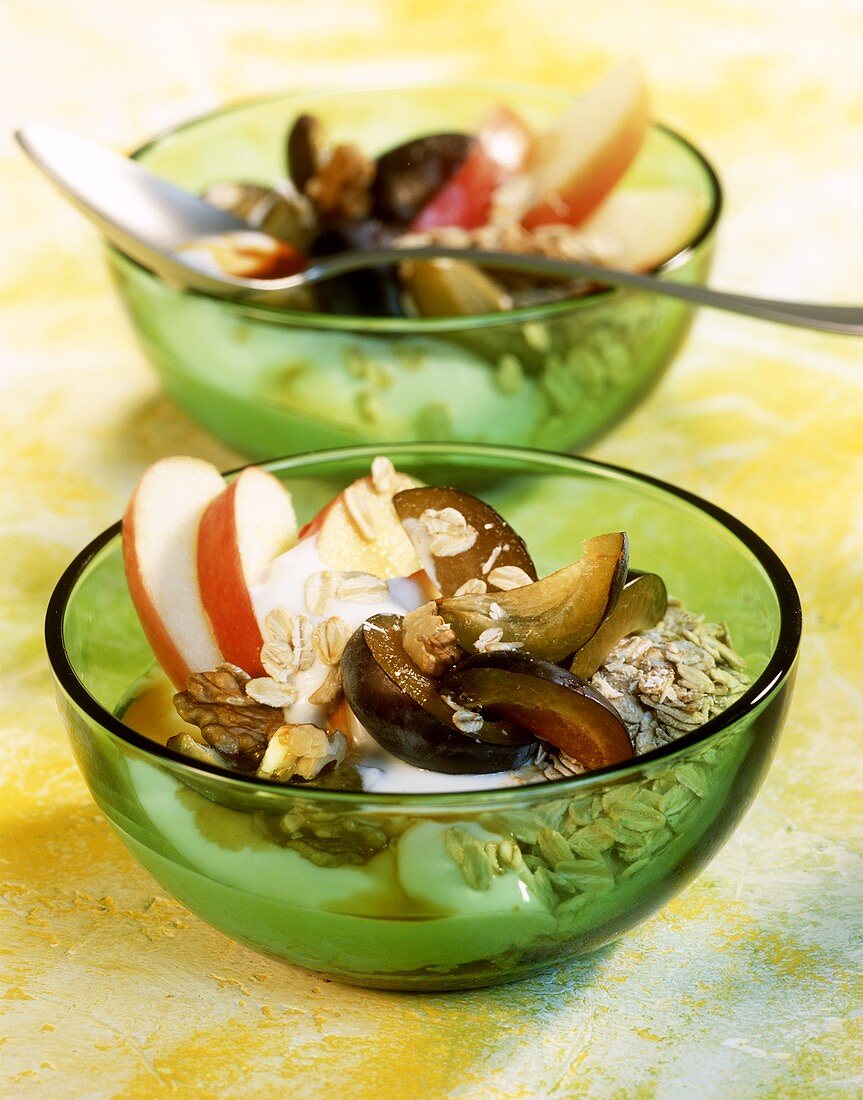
748, 984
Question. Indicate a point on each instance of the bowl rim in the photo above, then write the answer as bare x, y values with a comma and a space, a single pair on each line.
421, 325
779, 666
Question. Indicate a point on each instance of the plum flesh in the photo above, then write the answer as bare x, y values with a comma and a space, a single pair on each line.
642, 603
403, 712
496, 542
554, 705
553, 617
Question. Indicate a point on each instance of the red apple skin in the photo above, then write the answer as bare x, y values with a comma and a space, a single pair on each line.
570, 200
155, 631
465, 199
224, 591
592, 184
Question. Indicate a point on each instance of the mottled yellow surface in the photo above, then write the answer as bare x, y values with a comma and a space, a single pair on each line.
746, 985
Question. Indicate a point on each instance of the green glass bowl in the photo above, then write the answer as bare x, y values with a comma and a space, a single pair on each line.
272, 381
377, 889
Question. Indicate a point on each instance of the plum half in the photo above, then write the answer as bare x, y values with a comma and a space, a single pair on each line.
547, 700
641, 604
403, 711
410, 174
496, 543
553, 617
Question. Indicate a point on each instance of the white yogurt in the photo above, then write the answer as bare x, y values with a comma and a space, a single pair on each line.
283, 585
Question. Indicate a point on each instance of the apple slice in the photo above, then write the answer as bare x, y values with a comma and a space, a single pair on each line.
577, 163
160, 533
360, 530
646, 226
502, 144
245, 528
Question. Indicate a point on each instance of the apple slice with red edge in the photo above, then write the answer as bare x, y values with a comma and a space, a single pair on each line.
646, 226
577, 162
241, 532
465, 199
160, 533
359, 530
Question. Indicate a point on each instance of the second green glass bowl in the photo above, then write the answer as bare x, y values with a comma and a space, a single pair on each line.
273, 381
427, 892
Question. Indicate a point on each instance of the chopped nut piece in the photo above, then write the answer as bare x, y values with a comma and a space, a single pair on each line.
448, 530
330, 638
383, 476
239, 730
340, 188
319, 591
429, 641
473, 587
329, 690
271, 692
361, 587
507, 577
225, 684
359, 513
468, 721
301, 750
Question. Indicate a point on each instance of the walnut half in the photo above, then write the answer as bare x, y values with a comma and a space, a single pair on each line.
429, 641
228, 719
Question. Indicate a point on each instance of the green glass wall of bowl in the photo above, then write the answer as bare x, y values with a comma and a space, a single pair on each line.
360, 887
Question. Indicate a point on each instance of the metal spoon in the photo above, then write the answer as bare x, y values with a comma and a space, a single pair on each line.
149, 219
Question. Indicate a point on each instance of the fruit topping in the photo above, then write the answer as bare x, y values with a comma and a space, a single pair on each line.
549, 618
402, 710
409, 619
459, 538
411, 173
305, 150
452, 288
576, 163
375, 291
641, 604
248, 525
554, 705
160, 531
279, 211
360, 531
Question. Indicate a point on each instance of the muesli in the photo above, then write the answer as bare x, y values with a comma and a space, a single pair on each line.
403, 641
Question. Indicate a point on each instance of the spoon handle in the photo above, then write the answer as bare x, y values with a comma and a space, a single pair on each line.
826, 318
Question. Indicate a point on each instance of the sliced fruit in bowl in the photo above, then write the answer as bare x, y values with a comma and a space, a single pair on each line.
246, 527
160, 534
